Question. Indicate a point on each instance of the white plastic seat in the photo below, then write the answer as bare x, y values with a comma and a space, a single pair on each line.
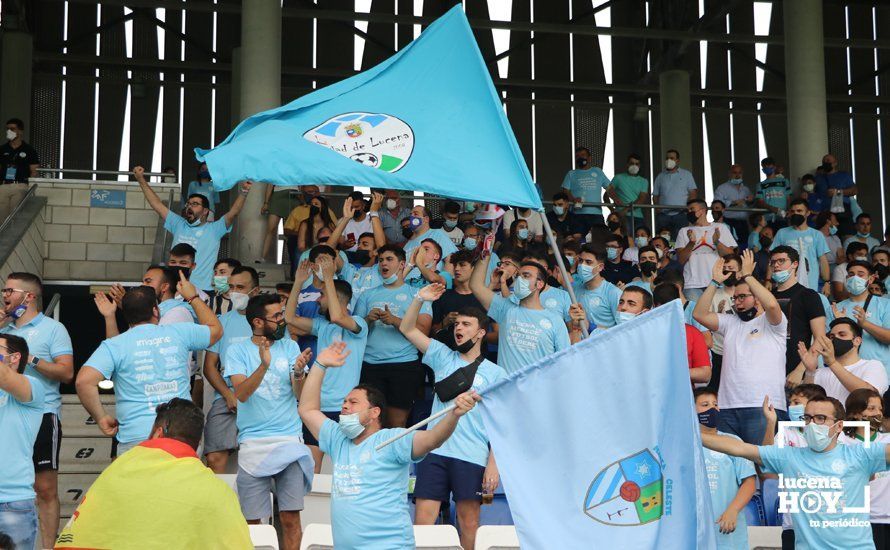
497, 537
231, 480
318, 536
263, 537
317, 504
765, 538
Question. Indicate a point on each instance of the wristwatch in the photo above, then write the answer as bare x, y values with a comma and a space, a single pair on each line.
373, 214
33, 362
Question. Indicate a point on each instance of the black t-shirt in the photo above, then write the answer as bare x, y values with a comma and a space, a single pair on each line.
622, 271
568, 226
15, 164
451, 301
800, 305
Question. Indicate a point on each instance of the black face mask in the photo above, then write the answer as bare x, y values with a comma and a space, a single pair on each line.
407, 233
709, 418
842, 347
614, 225
765, 243
717, 214
581, 163
648, 268
731, 280
360, 257
691, 217
826, 167
314, 211
465, 347
747, 314
796, 219
357, 214
278, 333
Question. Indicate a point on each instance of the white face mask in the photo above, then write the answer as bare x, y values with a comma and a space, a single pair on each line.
670, 164
239, 300
633, 169
10, 134
391, 204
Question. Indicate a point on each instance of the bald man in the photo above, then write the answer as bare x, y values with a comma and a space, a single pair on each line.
735, 194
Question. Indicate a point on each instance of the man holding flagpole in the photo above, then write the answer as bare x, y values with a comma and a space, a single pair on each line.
369, 489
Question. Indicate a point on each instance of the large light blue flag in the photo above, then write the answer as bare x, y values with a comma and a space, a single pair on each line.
598, 446
426, 119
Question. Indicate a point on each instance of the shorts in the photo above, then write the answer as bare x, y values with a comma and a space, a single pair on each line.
48, 443
280, 203
308, 438
438, 477
400, 383
253, 492
124, 447
220, 430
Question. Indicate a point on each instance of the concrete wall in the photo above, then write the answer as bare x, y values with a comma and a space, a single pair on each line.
97, 244
26, 248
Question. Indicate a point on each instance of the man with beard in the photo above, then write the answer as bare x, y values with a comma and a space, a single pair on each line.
193, 228
358, 224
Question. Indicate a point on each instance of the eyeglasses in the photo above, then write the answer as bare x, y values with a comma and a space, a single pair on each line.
8, 291
194, 203
819, 419
275, 318
779, 261
740, 297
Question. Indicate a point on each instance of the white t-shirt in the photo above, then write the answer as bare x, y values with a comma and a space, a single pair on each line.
722, 303
456, 235
839, 273
535, 225
357, 229
753, 361
697, 271
833, 242
869, 370
879, 487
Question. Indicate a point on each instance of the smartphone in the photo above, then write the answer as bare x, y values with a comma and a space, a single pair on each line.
350, 237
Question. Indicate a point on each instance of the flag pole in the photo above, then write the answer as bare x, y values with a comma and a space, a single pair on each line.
562, 267
416, 427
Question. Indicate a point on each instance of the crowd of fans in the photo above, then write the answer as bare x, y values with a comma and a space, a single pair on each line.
392, 313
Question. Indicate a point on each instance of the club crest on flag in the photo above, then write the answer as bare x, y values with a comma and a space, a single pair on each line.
627, 492
375, 140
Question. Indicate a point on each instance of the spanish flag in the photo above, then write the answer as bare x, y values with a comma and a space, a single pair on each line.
157, 495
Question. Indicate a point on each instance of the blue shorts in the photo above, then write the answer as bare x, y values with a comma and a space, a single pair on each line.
438, 477
308, 438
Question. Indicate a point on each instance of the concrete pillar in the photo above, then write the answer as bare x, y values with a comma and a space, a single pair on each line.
675, 116
259, 88
15, 77
805, 86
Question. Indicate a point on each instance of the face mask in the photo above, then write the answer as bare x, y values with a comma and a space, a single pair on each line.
571, 260
585, 273
709, 418
350, 425
407, 232
817, 437
19, 310
580, 163
625, 316
861, 258
874, 421
795, 412
863, 235
204, 175
239, 300
856, 285
611, 253
781, 276
10, 134
559, 210
660, 253
648, 268
826, 167
415, 222
691, 217
465, 347
522, 234
470, 207
832, 230
196, 223
666, 236
470, 243
747, 315
842, 347
641, 241
360, 257
614, 225
735, 181
391, 204
670, 164
768, 171
278, 333
319, 273
522, 289
221, 284
357, 214
633, 169
808, 187
314, 211
717, 214
391, 279
731, 279
449, 224
766, 242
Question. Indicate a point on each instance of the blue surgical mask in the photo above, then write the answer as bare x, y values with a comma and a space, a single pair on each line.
863, 235
832, 230
795, 412
196, 223
856, 285
470, 207
817, 437
391, 279
350, 425
781, 276
522, 234
571, 260
470, 243
220, 284
735, 181
559, 210
521, 288
204, 175
414, 222
449, 224
768, 171
625, 316
611, 253
585, 272
641, 241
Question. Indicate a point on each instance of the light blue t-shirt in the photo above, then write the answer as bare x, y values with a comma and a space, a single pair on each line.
642, 284
725, 476
385, 343
672, 188
776, 192
555, 299
235, 329
810, 245
47, 339
369, 489
870, 242
600, 304
19, 424
526, 335
415, 278
849, 465
339, 381
271, 410
728, 193
170, 304
206, 189
205, 239
469, 442
441, 238
149, 365
688, 308
878, 312
587, 185
361, 279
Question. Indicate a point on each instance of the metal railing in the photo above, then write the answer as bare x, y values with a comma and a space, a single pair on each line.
52, 310
18, 208
103, 172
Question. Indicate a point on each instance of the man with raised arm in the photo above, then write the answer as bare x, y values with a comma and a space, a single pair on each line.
369, 490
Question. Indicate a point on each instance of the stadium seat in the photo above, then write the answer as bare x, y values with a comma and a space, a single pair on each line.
497, 537
754, 511
438, 537
89, 455
326, 465
231, 480
317, 504
263, 537
770, 497
317, 536
765, 538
